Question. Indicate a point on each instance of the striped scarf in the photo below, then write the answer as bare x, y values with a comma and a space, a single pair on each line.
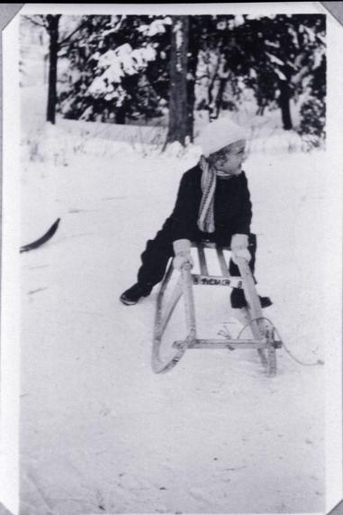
208, 186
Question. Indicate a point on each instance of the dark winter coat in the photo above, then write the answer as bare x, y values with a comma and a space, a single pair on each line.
232, 208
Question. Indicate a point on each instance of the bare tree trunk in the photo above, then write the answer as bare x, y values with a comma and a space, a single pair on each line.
120, 115
53, 22
284, 101
286, 92
192, 65
178, 111
211, 93
211, 112
223, 80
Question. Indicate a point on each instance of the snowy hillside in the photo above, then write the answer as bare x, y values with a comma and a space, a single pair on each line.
100, 433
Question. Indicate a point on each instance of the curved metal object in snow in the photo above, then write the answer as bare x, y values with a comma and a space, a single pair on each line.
43, 239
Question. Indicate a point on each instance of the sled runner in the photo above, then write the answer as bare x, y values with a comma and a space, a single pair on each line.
166, 355
43, 239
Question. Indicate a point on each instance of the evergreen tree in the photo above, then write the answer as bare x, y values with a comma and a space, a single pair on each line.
278, 55
119, 71
313, 109
119, 67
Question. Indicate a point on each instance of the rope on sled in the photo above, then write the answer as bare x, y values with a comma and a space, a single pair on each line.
303, 363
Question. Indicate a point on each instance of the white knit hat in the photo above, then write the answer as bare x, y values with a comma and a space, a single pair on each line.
218, 134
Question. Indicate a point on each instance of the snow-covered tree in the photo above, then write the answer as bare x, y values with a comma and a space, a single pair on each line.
275, 56
313, 108
117, 67
214, 75
279, 55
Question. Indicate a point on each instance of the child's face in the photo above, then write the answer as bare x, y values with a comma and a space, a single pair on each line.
228, 161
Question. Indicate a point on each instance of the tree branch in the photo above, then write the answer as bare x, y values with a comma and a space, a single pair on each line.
204, 76
32, 20
67, 38
66, 43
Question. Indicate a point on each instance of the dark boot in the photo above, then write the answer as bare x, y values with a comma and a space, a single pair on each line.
238, 300
134, 294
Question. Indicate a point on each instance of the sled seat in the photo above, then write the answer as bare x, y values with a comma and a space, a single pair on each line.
204, 278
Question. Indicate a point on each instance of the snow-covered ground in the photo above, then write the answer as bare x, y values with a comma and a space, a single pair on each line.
100, 433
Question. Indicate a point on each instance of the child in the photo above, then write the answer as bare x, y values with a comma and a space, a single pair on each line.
213, 204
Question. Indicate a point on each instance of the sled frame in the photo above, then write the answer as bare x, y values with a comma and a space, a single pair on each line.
262, 330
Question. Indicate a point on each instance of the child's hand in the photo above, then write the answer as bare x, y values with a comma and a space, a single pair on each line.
179, 261
182, 249
239, 247
240, 253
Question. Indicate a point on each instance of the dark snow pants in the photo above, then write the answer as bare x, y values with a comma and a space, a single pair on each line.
159, 250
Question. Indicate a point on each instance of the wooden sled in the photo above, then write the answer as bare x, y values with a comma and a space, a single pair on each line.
262, 330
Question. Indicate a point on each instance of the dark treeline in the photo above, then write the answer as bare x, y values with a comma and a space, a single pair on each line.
127, 68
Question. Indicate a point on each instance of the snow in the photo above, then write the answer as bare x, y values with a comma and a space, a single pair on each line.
155, 27
100, 432
275, 59
118, 63
178, 33
279, 73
